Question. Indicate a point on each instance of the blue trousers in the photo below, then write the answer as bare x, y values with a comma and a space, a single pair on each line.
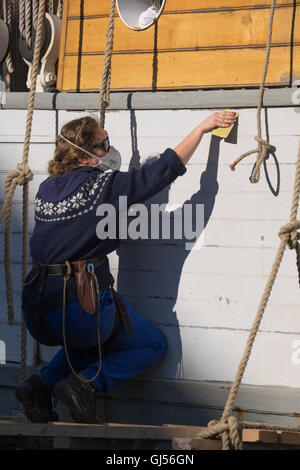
125, 356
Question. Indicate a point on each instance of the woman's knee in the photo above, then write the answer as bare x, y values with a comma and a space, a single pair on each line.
161, 345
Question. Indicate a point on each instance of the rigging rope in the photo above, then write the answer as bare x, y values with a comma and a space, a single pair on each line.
104, 94
263, 146
22, 18
28, 23
7, 17
21, 177
59, 8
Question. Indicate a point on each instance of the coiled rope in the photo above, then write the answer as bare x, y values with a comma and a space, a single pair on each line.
263, 146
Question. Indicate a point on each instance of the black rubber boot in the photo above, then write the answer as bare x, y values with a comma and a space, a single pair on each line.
79, 398
35, 394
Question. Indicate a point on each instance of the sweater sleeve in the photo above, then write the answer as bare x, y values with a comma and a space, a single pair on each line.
141, 184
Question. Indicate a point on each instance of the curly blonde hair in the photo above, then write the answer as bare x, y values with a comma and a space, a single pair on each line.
66, 157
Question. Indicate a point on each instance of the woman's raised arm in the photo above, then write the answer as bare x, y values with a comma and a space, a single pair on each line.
187, 147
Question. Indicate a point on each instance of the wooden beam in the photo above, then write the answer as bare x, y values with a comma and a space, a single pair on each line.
107, 431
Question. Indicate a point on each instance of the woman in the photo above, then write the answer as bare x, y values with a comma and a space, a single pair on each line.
70, 283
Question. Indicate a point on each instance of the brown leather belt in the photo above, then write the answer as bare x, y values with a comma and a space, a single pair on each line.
62, 269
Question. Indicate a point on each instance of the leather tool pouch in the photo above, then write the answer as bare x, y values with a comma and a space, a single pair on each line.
85, 287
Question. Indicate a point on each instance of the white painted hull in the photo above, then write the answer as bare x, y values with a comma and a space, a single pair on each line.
204, 300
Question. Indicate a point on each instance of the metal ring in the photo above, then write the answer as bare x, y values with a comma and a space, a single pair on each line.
90, 268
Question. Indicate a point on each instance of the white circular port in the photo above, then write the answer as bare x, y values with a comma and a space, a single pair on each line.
140, 14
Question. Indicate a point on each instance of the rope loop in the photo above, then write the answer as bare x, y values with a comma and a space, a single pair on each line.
262, 150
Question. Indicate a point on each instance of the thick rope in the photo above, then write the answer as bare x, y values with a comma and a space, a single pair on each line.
104, 94
263, 146
28, 23
288, 235
34, 74
35, 12
21, 177
50, 7
59, 8
7, 17
22, 18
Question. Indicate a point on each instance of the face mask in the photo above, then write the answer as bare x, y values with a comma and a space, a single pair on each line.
111, 161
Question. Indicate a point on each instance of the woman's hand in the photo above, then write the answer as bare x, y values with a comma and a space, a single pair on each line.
218, 119
186, 148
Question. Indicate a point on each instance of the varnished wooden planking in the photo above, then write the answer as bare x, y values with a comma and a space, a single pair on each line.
198, 30
94, 36
189, 69
63, 38
191, 50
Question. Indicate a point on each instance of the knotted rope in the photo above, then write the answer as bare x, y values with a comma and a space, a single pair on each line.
234, 429
104, 94
21, 177
228, 426
263, 147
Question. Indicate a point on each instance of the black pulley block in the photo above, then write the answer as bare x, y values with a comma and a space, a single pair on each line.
4, 40
26, 51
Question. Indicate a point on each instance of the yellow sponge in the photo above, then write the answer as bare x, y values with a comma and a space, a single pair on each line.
224, 132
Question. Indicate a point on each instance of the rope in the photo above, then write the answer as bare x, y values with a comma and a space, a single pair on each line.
21, 177
50, 6
59, 8
28, 24
35, 12
104, 94
7, 17
22, 18
289, 236
234, 428
263, 146
34, 74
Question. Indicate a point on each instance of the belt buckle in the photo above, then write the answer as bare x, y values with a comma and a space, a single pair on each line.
90, 268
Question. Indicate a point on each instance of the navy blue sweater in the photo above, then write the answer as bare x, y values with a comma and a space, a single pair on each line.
66, 220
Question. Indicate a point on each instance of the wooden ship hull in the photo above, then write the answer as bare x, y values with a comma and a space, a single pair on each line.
198, 57
210, 44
